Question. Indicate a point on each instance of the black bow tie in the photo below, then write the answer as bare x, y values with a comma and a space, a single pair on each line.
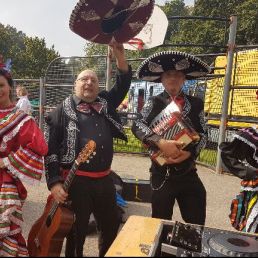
87, 107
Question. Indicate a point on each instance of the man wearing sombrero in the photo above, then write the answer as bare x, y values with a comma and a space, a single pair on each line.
177, 179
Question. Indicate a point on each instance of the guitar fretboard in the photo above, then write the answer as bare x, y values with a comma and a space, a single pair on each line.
66, 187
70, 177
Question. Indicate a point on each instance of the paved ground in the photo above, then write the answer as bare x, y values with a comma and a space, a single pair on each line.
221, 189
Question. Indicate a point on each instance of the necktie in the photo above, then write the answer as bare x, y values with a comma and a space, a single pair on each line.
88, 107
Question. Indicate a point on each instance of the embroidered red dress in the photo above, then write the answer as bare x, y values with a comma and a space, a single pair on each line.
22, 147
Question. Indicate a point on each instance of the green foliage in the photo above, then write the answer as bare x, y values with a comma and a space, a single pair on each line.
30, 56
93, 49
247, 14
133, 145
208, 157
174, 8
202, 32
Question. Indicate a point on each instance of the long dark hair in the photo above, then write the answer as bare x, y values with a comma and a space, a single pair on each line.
9, 79
7, 76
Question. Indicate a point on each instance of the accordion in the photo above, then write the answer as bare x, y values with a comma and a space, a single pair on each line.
171, 126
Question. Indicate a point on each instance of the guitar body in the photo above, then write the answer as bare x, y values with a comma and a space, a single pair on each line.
46, 236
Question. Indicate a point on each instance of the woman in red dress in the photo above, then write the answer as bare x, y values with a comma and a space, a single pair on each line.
22, 147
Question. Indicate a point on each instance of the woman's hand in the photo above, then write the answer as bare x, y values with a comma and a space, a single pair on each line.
59, 193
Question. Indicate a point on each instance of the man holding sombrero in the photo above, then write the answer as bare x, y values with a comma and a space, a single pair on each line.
91, 114
177, 178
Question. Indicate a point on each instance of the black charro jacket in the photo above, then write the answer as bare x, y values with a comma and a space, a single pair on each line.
240, 157
62, 132
193, 112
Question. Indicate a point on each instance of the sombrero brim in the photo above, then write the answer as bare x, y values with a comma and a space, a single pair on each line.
106, 21
153, 67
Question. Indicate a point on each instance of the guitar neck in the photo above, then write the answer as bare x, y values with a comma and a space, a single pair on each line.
70, 177
66, 186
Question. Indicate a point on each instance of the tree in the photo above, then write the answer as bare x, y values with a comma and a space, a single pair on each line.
246, 11
174, 8
11, 44
30, 56
36, 57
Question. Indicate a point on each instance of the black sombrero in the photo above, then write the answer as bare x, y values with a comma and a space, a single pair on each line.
106, 21
152, 68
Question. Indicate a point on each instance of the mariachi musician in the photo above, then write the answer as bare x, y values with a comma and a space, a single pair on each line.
88, 114
176, 178
240, 158
91, 114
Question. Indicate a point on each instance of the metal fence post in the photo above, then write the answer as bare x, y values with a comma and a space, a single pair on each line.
41, 102
227, 87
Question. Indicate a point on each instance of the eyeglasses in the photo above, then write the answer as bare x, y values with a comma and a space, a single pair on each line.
85, 79
82, 79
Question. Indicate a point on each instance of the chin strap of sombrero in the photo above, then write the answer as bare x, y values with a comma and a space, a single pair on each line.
138, 42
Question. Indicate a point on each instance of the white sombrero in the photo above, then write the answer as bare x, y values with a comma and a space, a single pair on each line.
152, 68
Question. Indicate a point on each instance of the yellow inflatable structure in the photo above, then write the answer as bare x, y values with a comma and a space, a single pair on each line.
243, 102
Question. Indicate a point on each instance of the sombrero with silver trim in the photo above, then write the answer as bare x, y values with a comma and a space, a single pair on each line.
152, 68
107, 21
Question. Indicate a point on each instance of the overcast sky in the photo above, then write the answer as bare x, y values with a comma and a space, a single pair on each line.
47, 19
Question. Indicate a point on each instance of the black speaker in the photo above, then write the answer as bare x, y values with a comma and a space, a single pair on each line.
136, 190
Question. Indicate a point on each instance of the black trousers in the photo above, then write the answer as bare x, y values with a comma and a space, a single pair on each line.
189, 192
95, 196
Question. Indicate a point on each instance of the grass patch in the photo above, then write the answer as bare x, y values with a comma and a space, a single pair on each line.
132, 146
208, 157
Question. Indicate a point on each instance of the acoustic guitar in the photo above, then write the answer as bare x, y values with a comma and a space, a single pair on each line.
48, 232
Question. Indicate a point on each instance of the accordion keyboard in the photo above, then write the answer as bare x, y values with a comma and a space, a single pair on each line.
170, 125
166, 123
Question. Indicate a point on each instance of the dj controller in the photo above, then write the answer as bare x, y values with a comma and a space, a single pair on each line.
187, 240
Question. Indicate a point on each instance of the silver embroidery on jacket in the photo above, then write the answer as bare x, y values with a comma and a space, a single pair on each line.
187, 107
46, 132
71, 130
143, 127
69, 110
147, 108
71, 140
51, 159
